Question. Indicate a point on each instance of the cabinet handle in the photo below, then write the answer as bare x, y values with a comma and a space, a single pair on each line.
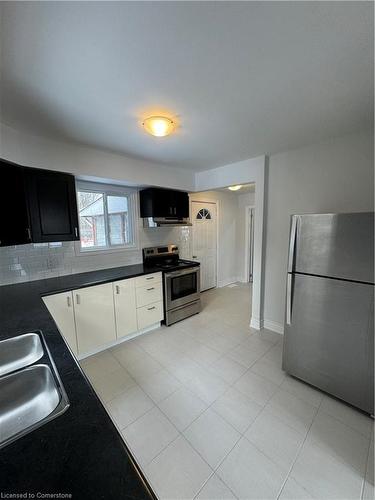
150, 278
149, 289
150, 308
78, 299
175, 210
68, 301
76, 231
117, 290
28, 233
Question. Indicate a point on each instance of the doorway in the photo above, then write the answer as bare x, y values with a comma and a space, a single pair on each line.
204, 241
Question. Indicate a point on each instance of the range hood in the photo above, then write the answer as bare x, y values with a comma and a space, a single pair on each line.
164, 222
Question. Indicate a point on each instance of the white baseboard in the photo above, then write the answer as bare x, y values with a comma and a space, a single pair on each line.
227, 282
242, 279
80, 357
256, 323
274, 326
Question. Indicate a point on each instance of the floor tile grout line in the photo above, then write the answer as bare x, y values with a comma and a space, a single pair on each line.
179, 432
241, 435
344, 423
184, 384
190, 444
366, 467
298, 453
206, 367
333, 457
196, 451
217, 467
192, 392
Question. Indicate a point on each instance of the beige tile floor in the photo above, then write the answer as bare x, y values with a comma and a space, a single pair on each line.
208, 413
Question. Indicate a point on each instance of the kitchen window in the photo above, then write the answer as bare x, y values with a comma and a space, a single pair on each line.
107, 217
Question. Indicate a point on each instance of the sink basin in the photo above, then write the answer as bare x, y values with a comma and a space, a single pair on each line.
18, 352
28, 399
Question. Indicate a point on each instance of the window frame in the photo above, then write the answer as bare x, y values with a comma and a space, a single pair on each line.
111, 190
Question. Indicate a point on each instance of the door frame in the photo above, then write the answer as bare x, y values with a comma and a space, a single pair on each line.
252, 170
248, 208
217, 204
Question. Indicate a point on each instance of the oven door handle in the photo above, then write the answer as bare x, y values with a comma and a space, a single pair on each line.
191, 270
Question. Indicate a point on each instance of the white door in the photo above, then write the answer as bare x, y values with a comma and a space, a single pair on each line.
204, 241
95, 317
61, 308
125, 307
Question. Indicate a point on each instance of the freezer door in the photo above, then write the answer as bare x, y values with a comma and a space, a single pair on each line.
329, 341
333, 245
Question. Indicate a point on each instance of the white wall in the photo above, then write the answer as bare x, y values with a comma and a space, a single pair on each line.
85, 162
336, 176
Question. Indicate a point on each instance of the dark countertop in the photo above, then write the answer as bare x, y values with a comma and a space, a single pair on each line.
81, 451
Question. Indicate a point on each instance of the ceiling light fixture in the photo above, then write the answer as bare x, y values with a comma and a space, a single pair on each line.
159, 126
235, 188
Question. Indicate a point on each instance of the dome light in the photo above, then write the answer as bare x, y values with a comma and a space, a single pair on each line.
159, 126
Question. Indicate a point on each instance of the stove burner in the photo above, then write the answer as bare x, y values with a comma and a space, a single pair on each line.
165, 258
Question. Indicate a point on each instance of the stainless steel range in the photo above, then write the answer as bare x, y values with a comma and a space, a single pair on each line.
181, 281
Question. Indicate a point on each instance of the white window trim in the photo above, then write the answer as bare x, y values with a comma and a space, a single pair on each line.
111, 189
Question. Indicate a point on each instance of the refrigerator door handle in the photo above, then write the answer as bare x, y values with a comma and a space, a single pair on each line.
292, 243
289, 292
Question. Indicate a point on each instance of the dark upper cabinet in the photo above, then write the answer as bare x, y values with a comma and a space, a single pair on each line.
158, 202
42, 204
53, 206
14, 218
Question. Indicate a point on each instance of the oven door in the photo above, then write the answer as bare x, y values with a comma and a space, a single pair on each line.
182, 287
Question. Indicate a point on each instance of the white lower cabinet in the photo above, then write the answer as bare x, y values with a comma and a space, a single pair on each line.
125, 307
61, 308
149, 294
149, 315
95, 317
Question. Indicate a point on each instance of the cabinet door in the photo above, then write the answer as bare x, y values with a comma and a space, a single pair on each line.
125, 307
146, 295
148, 279
52, 206
61, 308
149, 315
155, 202
95, 317
181, 204
14, 222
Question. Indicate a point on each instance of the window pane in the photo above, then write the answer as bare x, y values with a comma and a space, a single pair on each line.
91, 219
118, 220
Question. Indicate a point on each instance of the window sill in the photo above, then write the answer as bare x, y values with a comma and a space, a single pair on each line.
83, 253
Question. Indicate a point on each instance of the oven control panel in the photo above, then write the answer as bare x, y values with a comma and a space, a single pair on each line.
162, 250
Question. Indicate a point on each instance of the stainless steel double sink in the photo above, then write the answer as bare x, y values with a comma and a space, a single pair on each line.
31, 392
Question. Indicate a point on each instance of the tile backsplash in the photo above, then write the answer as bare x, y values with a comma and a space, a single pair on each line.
47, 260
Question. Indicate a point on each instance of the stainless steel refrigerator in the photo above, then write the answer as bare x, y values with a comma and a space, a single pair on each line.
329, 320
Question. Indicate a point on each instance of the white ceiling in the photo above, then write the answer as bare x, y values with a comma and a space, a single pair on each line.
242, 78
